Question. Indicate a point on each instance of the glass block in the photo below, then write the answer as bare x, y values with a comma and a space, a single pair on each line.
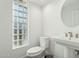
20, 21
20, 14
25, 20
24, 32
15, 13
15, 37
24, 26
15, 18
20, 42
20, 31
15, 31
15, 23
24, 36
15, 26
25, 9
20, 25
15, 43
19, 7
20, 36
25, 15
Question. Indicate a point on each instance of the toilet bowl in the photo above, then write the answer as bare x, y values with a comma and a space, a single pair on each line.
38, 51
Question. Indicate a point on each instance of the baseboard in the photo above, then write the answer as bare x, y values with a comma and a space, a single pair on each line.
55, 56
23, 56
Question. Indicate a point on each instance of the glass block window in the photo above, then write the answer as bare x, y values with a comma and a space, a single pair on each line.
19, 24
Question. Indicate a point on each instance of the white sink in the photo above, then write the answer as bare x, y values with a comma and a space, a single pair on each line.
73, 43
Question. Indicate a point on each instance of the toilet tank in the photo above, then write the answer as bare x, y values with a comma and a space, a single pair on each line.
44, 42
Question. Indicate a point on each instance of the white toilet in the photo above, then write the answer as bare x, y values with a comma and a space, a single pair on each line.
38, 51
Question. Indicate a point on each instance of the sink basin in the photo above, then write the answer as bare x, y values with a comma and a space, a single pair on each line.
73, 43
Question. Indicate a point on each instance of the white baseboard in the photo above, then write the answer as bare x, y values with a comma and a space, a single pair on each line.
23, 56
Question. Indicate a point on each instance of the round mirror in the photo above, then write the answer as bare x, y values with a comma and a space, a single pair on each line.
70, 13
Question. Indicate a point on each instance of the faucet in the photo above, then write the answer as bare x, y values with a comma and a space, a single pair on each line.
70, 35
66, 35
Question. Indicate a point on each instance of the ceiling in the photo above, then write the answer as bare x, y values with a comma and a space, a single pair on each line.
41, 2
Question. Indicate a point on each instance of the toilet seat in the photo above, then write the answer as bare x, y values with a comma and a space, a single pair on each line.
35, 51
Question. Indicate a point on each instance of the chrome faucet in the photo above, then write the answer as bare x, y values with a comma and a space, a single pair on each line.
70, 35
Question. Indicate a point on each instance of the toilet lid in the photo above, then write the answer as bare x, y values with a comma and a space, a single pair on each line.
34, 50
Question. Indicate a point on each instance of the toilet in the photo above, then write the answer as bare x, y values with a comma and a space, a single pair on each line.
38, 51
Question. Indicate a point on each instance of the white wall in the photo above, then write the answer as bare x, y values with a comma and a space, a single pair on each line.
6, 28
35, 23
